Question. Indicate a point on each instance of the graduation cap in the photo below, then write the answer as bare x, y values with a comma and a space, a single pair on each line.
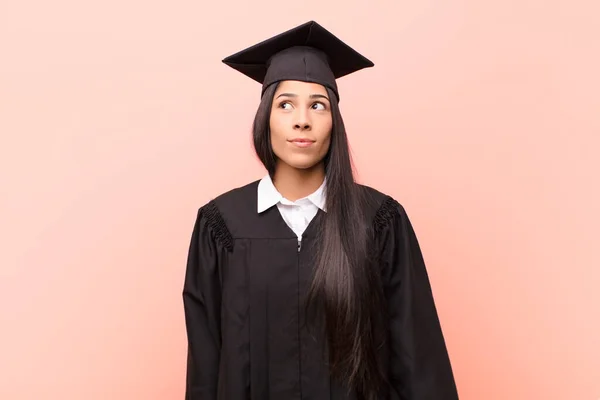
306, 53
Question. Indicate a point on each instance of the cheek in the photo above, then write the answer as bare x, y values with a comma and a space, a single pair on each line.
277, 135
325, 137
325, 147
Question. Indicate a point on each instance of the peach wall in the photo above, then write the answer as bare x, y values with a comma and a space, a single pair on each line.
118, 120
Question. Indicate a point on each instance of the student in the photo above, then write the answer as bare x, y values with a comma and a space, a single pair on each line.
305, 284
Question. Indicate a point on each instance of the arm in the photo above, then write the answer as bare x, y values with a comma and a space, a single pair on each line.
420, 368
202, 302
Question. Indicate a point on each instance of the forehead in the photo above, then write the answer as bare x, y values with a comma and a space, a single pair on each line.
300, 88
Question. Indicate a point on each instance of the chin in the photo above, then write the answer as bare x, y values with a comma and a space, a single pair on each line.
301, 164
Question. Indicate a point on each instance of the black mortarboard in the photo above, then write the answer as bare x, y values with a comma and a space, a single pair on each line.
306, 53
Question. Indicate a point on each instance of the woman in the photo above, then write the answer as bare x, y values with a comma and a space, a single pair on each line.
305, 284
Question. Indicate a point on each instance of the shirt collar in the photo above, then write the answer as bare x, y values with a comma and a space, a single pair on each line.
268, 195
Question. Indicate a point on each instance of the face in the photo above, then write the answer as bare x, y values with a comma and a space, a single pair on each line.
300, 123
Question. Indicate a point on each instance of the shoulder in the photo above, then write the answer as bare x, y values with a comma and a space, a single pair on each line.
235, 199
239, 198
223, 214
384, 213
380, 205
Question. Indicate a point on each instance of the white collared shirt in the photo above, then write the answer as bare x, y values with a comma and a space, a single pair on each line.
297, 214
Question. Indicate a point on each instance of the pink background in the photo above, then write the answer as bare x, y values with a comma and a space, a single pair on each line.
118, 120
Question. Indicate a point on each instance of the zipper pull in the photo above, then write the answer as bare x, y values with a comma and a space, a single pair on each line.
299, 245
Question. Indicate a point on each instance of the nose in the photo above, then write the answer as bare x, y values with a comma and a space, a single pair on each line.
302, 121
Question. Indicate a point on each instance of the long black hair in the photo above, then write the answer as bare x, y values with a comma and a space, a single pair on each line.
344, 287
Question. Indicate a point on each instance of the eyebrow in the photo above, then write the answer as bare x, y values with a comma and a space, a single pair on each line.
312, 96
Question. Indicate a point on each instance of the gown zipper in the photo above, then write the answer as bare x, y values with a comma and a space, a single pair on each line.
299, 335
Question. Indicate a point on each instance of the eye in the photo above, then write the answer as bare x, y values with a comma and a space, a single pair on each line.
283, 104
316, 105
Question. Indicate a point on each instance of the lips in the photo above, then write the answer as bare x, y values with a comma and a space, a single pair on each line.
302, 142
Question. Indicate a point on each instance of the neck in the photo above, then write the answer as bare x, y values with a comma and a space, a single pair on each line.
294, 183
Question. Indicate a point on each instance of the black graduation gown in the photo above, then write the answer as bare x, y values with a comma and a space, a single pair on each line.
243, 291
